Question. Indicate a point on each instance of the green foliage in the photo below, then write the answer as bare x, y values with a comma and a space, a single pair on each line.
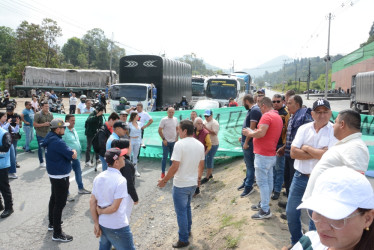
232, 242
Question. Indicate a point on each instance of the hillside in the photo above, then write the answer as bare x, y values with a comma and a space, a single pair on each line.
270, 66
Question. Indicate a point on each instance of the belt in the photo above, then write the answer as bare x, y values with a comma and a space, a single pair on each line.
307, 175
134, 137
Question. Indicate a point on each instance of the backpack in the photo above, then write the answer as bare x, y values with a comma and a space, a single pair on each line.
96, 141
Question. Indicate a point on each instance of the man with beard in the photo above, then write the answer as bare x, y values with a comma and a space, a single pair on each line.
252, 118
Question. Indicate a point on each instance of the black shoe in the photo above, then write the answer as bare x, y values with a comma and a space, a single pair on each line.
50, 226
256, 207
6, 213
275, 196
211, 176
180, 244
282, 204
247, 191
241, 187
1, 206
17, 165
283, 216
62, 237
197, 191
204, 180
261, 215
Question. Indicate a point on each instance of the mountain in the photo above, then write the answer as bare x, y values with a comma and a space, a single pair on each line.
270, 66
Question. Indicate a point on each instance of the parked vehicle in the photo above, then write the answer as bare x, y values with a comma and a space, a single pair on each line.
207, 104
155, 81
83, 81
362, 92
198, 89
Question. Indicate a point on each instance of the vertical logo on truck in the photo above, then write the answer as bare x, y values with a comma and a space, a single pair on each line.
131, 64
149, 64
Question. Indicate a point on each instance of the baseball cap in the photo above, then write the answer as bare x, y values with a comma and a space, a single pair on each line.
338, 192
123, 112
9, 107
321, 103
208, 112
59, 123
112, 154
260, 91
120, 124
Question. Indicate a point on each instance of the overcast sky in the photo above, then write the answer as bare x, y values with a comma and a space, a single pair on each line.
220, 32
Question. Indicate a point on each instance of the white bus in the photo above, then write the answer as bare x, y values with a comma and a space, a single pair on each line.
224, 87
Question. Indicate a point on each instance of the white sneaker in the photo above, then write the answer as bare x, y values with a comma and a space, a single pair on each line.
42, 165
12, 176
137, 173
88, 164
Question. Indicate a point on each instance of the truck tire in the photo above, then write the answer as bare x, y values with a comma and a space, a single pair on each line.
21, 93
371, 110
29, 93
353, 107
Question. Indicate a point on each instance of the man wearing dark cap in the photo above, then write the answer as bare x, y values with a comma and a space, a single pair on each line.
15, 122
58, 157
109, 205
120, 128
312, 140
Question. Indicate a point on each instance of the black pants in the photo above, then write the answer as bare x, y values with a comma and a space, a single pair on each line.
88, 149
289, 171
5, 188
57, 202
72, 109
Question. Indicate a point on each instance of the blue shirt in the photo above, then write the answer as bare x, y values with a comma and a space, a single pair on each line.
28, 115
112, 137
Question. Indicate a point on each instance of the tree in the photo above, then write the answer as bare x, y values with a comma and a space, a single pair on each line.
7, 51
75, 52
95, 42
51, 32
371, 36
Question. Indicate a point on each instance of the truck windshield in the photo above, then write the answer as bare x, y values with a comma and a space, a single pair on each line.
131, 92
198, 89
221, 89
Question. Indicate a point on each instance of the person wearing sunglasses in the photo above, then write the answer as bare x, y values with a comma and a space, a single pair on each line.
342, 208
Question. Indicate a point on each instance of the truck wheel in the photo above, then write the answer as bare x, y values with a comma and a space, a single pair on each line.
29, 93
371, 110
353, 107
21, 93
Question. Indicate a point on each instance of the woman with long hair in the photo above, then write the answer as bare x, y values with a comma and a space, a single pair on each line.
135, 139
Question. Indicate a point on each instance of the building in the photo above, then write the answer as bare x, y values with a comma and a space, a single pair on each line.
360, 60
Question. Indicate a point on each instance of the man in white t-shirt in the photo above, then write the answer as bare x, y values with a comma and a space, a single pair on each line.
311, 141
88, 109
144, 119
187, 169
109, 204
212, 126
72, 103
168, 131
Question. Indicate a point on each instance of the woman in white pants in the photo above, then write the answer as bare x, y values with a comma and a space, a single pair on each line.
135, 139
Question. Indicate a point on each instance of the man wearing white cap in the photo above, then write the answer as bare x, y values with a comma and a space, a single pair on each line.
341, 206
312, 140
350, 150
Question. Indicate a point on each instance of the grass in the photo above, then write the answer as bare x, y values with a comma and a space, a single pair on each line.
227, 220
232, 242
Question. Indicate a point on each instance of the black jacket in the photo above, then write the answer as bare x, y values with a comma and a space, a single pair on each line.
103, 134
128, 171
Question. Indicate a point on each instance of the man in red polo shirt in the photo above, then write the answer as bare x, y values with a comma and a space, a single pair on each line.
265, 140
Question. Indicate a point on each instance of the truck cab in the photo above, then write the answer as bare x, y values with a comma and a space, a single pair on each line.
134, 93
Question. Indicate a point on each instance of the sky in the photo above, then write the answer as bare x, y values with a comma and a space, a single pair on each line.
241, 32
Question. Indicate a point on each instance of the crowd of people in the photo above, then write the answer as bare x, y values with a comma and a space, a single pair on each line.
284, 143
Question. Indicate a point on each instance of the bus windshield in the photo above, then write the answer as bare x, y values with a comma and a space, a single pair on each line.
198, 89
131, 92
221, 88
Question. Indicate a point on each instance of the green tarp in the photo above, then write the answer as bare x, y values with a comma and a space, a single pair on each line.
230, 120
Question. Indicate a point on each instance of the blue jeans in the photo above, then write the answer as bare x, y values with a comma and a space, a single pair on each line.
182, 205
76, 165
166, 150
29, 135
120, 238
12, 169
264, 178
104, 165
209, 163
40, 148
297, 189
249, 159
278, 171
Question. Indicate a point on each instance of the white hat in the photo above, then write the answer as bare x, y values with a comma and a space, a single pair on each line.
338, 192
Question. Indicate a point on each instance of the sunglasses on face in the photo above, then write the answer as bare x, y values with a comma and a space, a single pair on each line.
276, 101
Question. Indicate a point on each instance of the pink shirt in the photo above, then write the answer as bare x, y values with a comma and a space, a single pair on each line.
267, 145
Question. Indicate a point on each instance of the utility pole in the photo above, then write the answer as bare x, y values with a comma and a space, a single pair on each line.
233, 66
308, 82
284, 75
327, 59
295, 72
111, 57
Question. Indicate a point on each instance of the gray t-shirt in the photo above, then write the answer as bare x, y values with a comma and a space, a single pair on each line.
169, 128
